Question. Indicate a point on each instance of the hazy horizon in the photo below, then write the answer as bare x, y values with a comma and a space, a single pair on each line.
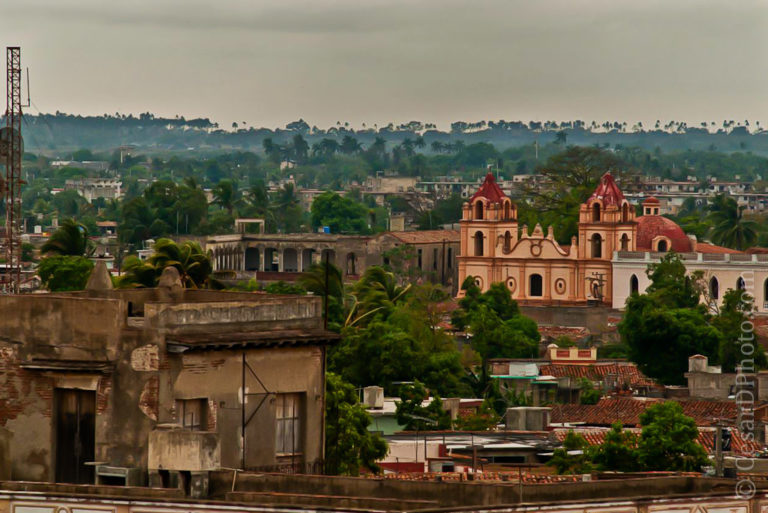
378, 61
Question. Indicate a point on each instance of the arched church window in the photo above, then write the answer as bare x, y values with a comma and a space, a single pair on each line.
634, 286
478, 243
596, 212
507, 241
625, 213
662, 246
740, 285
479, 210
597, 246
536, 285
714, 288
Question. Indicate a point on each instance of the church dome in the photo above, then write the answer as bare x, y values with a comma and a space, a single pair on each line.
649, 227
489, 190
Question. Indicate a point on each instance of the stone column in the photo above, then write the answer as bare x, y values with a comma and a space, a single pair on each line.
262, 258
280, 259
300, 259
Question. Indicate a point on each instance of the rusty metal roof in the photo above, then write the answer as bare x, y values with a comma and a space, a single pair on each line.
264, 339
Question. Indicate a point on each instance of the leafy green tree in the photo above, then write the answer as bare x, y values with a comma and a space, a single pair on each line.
573, 456
668, 320
349, 445
498, 328
68, 203
669, 439
64, 272
729, 226
733, 314
70, 239
411, 413
340, 214
618, 452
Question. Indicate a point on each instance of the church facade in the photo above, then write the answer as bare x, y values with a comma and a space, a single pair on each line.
604, 264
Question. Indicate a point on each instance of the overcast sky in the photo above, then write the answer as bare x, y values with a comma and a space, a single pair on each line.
268, 62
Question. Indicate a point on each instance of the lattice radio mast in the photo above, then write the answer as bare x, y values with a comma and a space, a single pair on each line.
13, 154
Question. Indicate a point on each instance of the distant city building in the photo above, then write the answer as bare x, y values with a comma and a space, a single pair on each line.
91, 165
272, 257
93, 188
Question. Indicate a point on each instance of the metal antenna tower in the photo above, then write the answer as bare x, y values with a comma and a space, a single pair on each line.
13, 171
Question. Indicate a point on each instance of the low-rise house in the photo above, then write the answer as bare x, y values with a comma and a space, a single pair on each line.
157, 380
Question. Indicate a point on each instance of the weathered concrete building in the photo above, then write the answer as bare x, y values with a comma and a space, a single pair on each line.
272, 257
160, 379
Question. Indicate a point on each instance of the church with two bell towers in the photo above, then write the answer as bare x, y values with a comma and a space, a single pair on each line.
534, 267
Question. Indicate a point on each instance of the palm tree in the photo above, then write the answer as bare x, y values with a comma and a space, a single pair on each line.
376, 291
729, 226
225, 195
70, 239
314, 280
193, 264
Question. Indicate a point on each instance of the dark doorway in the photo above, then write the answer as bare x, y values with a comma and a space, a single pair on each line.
536, 286
75, 435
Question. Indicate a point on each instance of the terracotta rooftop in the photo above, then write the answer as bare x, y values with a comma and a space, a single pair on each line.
489, 190
608, 192
625, 372
739, 444
427, 236
628, 410
704, 247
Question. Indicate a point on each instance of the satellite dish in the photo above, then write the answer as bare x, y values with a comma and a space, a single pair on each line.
5, 141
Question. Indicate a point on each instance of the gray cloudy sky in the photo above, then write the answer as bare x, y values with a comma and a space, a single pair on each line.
268, 62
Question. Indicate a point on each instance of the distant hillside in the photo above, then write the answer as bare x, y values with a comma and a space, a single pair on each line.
56, 134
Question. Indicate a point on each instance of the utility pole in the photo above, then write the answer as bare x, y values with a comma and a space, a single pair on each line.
719, 451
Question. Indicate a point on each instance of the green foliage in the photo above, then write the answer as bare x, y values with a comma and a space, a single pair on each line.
564, 341
189, 259
729, 226
70, 239
589, 394
27, 252
618, 452
64, 272
612, 351
498, 328
573, 456
340, 214
411, 413
324, 279
738, 343
668, 440
349, 445
485, 419
281, 287
668, 320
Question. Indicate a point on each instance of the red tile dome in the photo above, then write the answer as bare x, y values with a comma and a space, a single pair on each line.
489, 190
651, 201
650, 227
